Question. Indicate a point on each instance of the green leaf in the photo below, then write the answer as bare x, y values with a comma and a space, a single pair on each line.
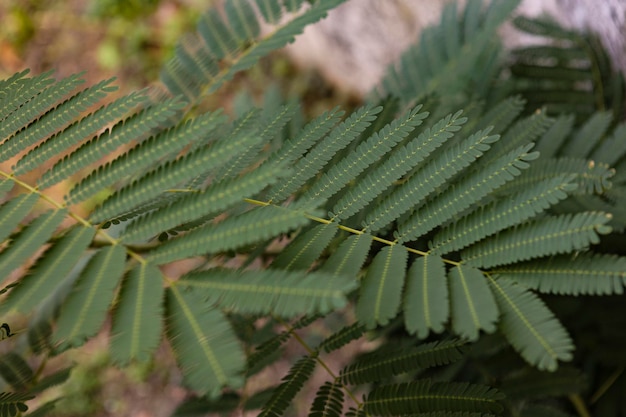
349, 257
472, 305
206, 348
488, 220
309, 166
85, 310
547, 236
56, 119
381, 288
341, 338
253, 226
202, 204
14, 211
428, 179
63, 141
291, 384
143, 155
467, 191
530, 327
328, 401
52, 268
12, 403
582, 273
306, 248
169, 175
15, 371
28, 241
422, 396
283, 293
378, 180
426, 304
382, 365
137, 317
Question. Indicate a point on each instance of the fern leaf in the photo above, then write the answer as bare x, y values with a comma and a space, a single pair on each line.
28, 241
49, 270
426, 305
55, 119
585, 273
14, 211
348, 259
291, 150
305, 248
423, 396
530, 327
5, 187
136, 329
203, 204
222, 40
205, 346
270, 350
611, 149
488, 220
522, 133
381, 366
41, 102
552, 140
254, 226
501, 115
381, 288
369, 152
548, 236
291, 384
588, 136
12, 403
425, 181
69, 137
592, 177
271, 10
167, 176
242, 19
471, 302
338, 175
90, 152
341, 338
470, 190
15, 371
266, 133
17, 90
217, 35
401, 161
84, 312
318, 157
328, 401
281, 37
144, 155
283, 293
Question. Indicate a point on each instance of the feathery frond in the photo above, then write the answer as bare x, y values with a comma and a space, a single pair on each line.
426, 303
205, 346
424, 396
290, 386
280, 292
592, 274
529, 326
380, 366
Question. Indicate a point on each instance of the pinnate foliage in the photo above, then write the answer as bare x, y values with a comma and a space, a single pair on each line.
433, 221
